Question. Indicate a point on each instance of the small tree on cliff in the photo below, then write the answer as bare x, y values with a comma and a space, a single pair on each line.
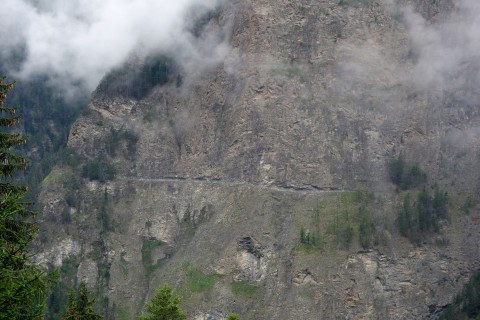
164, 306
233, 316
80, 307
23, 285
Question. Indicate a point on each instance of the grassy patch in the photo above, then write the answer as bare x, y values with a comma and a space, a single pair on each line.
55, 177
124, 264
338, 220
242, 288
148, 246
188, 226
197, 281
357, 197
96, 253
123, 313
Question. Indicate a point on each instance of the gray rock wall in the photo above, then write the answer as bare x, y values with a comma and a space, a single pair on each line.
312, 101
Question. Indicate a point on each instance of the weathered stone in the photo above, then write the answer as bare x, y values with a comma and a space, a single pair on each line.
313, 100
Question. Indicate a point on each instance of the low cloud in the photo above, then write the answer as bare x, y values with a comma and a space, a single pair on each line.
77, 42
437, 53
445, 48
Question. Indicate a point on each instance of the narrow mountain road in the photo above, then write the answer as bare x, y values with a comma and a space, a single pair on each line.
234, 183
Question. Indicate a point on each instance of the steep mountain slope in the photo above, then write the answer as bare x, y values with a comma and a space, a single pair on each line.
220, 178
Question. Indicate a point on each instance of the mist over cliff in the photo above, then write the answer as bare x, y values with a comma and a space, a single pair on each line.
76, 43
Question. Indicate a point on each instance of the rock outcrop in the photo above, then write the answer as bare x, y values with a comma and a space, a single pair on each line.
311, 102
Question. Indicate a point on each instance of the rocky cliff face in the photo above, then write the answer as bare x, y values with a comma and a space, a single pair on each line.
292, 131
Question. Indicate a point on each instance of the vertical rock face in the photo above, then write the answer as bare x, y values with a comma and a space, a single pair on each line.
227, 169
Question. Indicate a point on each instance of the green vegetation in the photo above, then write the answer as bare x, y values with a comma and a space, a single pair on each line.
188, 225
233, 316
47, 118
366, 229
104, 216
199, 282
71, 198
99, 170
421, 217
346, 234
122, 313
148, 246
164, 305
80, 305
70, 158
66, 217
23, 285
405, 176
308, 240
357, 197
243, 288
131, 81
338, 220
69, 267
116, 138
466, 305
99, 254
57, 300
55, 177
469, 204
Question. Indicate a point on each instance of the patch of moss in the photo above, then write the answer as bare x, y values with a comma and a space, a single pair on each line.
148, 245
55, 177
244, 289
197, 281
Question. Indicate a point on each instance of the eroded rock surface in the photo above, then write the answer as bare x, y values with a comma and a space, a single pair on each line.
312, 101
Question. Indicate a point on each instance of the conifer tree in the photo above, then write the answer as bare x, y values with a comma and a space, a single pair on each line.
80, 307
23, 285
9, 161
164, 306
